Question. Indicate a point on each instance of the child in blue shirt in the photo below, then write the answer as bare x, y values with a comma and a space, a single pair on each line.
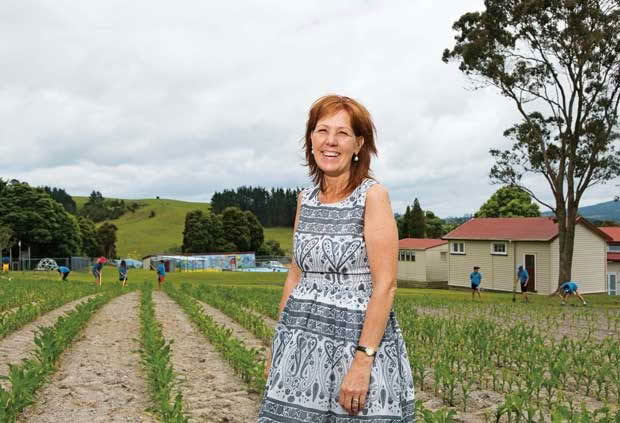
64, 272
476, 278
122, 273
523, 277
161, 273
567, 289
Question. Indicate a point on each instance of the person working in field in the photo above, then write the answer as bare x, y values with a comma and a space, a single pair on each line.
161, 273
567, 289
122, 273
63, 272
98, 270
335, 312
476, 279
523, 277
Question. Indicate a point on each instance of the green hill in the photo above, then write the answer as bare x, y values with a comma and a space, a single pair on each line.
140, 235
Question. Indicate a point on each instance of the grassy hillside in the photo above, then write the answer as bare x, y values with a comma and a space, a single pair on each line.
138, 235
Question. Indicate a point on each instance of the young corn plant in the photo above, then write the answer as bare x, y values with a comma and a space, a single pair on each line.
156, 360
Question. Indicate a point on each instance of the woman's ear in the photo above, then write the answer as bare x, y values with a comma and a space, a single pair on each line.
360, 142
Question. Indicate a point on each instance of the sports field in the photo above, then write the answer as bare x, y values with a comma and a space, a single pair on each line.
194, 351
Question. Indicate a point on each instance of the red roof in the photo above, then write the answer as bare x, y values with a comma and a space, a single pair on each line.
420, 243
612, 231
514, 228
613, 256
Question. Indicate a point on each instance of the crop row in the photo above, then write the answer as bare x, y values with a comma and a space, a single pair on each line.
228, 302
38, 299
155, 354
245, 362
28, 376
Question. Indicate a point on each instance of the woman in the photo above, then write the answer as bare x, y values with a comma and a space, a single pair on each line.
338, 353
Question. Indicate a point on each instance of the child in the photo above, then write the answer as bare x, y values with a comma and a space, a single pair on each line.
476, 279
523, 277
64, 272
122, 273
161, 273
567, 289
98, 270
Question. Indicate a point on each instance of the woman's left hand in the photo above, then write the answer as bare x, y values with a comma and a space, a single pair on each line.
354, 388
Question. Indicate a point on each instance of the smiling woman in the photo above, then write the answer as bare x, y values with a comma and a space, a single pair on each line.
339, 126
338, 351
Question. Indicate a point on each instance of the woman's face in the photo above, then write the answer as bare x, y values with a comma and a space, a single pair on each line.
334, 143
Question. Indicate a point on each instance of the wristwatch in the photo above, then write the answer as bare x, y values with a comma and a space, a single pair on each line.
370, 352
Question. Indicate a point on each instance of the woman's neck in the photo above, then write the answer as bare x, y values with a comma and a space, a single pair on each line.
335, 188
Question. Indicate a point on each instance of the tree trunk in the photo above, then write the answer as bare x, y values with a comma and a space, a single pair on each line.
567, 217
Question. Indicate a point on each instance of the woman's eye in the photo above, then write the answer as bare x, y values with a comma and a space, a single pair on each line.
322, 131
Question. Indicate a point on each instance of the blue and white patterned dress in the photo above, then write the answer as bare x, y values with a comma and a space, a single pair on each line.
320, 326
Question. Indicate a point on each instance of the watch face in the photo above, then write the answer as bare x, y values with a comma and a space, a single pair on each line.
370, 352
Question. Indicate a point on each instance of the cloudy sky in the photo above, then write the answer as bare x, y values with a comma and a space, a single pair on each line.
182, 99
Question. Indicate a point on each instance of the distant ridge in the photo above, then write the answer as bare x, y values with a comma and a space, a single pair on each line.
609, 210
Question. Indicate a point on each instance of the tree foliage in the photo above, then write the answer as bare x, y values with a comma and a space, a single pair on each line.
509, 201
417, 223
558, 61
38, 221
88, 235
6, 238
97, 208
272, 208
233, 230
106, 237
61, 196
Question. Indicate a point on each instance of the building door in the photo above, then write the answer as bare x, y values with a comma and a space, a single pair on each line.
530, 266
612, 284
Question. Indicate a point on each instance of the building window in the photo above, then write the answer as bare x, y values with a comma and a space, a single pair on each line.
498, 248
614, 248
458, 248
443, 256
406, 255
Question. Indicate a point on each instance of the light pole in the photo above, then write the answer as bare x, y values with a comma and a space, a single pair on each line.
19, 244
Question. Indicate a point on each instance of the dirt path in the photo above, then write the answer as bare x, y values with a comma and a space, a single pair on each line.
99, 378
19, 344
211, 392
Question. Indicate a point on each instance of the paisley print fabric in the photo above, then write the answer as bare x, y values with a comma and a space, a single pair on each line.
322, 321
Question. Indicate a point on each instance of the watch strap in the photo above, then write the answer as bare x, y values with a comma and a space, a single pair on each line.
370, 352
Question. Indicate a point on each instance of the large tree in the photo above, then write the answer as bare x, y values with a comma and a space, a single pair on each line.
38, 221
558, 62
509, 201
106, 236
417, 225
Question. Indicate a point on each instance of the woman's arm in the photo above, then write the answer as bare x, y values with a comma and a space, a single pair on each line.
381, 238
294, 274
292, 279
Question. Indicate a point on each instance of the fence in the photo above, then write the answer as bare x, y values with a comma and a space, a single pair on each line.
51, 263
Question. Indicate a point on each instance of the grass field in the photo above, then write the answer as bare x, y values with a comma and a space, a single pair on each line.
140, 235
283, 235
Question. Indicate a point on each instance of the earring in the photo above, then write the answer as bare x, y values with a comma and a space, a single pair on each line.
312, 152
356, 158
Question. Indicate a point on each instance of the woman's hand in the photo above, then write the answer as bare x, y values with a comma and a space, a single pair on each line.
354, 388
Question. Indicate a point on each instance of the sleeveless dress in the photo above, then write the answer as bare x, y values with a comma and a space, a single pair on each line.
320, 325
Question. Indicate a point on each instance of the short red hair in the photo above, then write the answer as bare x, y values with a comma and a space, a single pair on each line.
362, 125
